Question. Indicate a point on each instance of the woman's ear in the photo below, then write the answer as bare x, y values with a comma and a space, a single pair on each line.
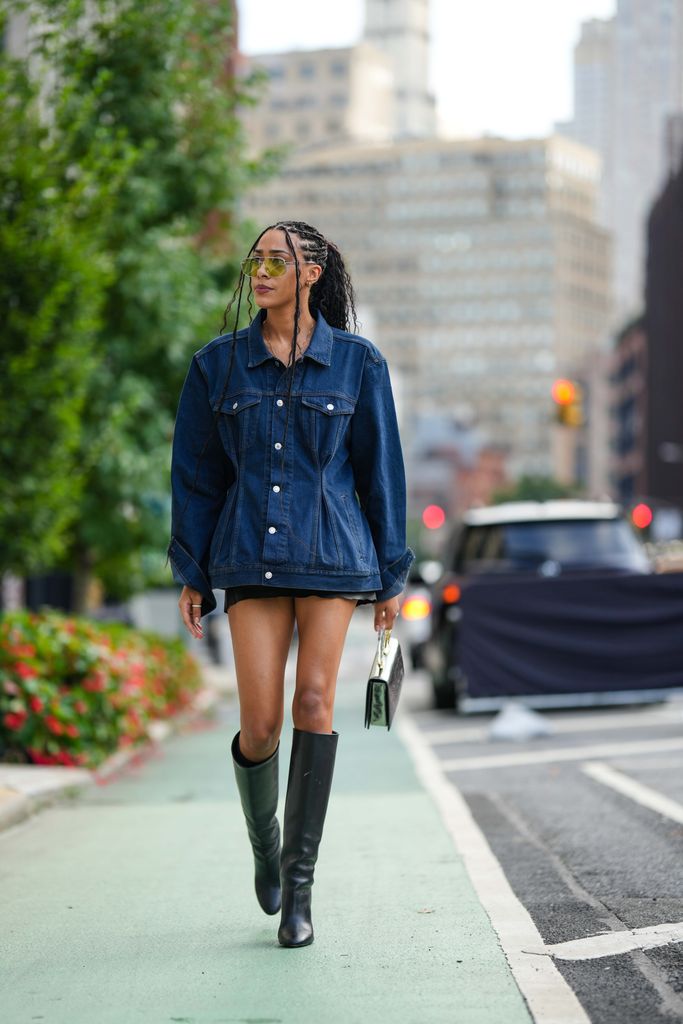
314, 272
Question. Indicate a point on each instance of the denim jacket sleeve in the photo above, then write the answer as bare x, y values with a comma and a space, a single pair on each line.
200, 477
379, 474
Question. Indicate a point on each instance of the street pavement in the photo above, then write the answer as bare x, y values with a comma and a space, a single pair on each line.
586, 824
132, 900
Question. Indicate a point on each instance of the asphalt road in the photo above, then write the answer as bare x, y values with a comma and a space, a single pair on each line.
587, 826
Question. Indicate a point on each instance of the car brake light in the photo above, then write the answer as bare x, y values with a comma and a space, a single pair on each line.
450, 593
416, 608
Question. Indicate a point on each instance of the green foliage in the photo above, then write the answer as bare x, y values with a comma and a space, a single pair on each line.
53, 273
73, 691
536, 488
147, 83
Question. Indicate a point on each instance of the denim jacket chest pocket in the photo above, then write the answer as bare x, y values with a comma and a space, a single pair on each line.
239, 420
325, 419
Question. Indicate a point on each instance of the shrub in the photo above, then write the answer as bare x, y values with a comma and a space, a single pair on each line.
72, 691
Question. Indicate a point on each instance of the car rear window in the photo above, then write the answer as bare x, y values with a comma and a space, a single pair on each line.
573, 544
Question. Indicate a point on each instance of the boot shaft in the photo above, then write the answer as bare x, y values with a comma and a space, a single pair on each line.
308, 791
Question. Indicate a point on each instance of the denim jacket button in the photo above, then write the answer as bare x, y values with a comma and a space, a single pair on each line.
269, 575
279, 402
271, 529
330, 405
278, 446
276, 488
235, 404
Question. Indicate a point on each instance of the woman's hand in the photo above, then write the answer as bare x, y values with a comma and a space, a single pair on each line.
385, 613
190, 605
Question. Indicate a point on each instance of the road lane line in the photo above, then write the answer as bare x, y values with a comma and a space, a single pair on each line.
467, 734
642, 794
529, 757
613, 943
549, 998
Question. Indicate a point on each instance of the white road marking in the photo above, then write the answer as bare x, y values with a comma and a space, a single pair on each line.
613, 943
635, 790
528, 757
470, 733
548, 996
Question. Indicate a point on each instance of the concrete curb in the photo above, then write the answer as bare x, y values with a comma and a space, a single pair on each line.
27, 789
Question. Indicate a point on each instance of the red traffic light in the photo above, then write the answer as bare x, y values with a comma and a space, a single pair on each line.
433, 517
641, 516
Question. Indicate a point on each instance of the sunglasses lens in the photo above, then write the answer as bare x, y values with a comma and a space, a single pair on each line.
275, 266
250, 266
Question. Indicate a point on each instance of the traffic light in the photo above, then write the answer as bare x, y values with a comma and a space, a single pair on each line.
641, 516
568, 399
433, 517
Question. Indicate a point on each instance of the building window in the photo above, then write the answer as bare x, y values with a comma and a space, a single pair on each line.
307, 69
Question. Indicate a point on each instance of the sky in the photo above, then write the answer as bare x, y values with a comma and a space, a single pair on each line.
497, 66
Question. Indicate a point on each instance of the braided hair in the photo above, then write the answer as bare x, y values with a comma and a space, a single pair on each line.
332, 295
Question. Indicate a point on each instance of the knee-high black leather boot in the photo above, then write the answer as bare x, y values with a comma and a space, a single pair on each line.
308, 791
258, 789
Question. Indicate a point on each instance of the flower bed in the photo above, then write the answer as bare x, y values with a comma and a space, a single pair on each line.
72, 691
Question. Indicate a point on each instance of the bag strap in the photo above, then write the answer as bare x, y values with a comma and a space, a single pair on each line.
383, 638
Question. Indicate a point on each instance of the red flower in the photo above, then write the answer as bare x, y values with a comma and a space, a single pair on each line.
36, 703
11, 687
25, 671
81, 707
96, 682
23, 650
54, 725
16, 720
72, 730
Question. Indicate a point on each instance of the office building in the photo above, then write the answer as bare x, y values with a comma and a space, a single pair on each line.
318, 97
628, 93
480, 264
372, 92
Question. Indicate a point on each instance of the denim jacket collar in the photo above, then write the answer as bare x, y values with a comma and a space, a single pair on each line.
319, 348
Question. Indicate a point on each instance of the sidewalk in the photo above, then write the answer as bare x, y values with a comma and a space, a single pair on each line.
133, 901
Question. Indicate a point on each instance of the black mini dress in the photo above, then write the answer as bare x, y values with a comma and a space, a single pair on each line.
235, 594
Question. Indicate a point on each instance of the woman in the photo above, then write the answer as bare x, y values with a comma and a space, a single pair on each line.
289, 492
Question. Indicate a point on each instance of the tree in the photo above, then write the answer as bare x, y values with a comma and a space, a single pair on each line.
154, 75
535, 488
53, 276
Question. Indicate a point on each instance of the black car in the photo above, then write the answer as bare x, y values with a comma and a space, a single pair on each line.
547, 539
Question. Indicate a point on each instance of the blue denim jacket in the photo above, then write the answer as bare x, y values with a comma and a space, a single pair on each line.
324, 508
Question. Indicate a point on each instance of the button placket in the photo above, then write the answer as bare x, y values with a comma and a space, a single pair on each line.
274, 536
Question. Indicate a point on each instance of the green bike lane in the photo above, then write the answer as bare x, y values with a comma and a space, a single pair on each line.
133, 901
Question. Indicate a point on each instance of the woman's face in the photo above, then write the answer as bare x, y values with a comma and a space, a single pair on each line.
280, 292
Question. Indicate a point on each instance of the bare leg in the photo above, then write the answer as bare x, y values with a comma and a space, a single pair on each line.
261, 635
323, 623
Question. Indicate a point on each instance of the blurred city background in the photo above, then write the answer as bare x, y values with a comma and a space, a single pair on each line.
524, 283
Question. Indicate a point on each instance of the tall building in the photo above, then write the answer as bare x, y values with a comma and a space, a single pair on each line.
628, 92
400, 30
319, 97
593, 94
664, 329
372, 92
479, 263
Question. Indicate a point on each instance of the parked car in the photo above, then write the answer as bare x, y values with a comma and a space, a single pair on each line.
548, 539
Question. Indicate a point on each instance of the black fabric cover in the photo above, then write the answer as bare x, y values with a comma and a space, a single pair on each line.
574, 634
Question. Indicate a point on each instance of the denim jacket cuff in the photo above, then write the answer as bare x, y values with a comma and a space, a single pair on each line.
394, 577
187, 571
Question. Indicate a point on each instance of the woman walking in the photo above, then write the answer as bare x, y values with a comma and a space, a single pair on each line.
289, 493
